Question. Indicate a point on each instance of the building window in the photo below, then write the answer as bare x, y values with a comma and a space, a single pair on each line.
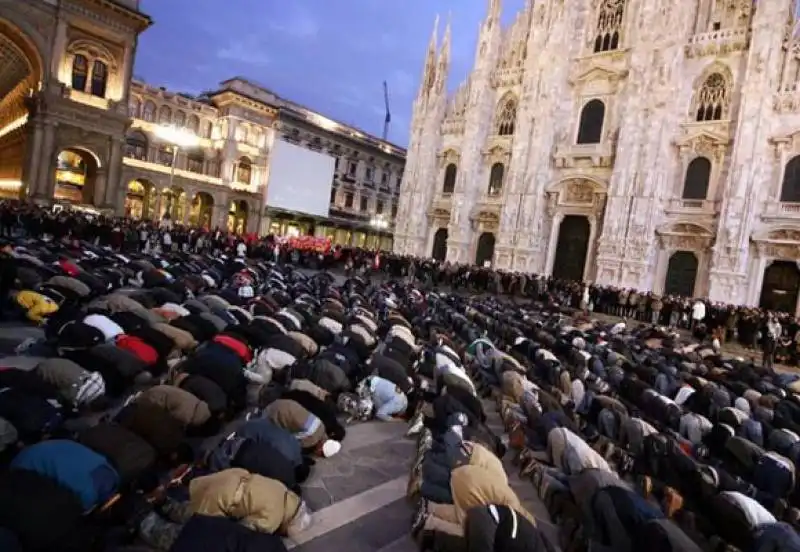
713, 98
590, 127
80, 72
609, 25
348, 200
790, 189
450, 174
698, 175
351, 168
165, 155
496, 176
368, 174
195, 162
134, 107
336, 163
244, 171
136, 146
385, 177
149, 113
506, 116
207, 126
180, 119
394, 210
333, 196
213, 168
164, 115
364, 204
194, 124
99, 79
379, 208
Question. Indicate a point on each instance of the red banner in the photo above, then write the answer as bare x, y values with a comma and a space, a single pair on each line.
310, 243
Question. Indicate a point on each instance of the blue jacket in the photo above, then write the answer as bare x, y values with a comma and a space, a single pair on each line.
74, 466
223, 535
263, 431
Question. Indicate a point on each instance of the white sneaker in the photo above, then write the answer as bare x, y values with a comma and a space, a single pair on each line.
416, 425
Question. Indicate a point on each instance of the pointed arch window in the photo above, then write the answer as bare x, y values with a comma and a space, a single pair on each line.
790, 188
590, 127
712, 99
496, 176
506, 117
80, 72
99, 79
450, 174
609, 25
244, 171
194, 124
698, 176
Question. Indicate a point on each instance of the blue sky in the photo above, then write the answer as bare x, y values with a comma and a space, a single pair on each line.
330, 55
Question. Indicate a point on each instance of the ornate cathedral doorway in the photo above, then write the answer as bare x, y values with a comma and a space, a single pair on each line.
439, 251
681, 274
572, 247
485, 250
780, 287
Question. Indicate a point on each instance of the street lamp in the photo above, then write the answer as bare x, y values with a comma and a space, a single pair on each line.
178, 138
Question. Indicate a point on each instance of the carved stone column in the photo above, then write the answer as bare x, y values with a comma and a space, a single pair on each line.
47, 174
34, 160
555, 227
109, 197
100, 186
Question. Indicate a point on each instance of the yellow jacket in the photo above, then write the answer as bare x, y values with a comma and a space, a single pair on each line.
259, 503
476, 486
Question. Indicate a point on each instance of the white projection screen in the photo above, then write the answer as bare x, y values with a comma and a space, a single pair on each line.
300, 180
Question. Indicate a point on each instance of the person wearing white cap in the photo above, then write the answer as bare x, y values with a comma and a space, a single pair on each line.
305, 426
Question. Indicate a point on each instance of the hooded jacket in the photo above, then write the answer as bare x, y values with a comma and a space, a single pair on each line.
261, 504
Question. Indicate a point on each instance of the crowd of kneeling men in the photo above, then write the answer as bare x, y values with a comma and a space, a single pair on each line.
633, 438
177, 402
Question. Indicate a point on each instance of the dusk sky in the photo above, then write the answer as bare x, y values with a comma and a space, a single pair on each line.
331, 56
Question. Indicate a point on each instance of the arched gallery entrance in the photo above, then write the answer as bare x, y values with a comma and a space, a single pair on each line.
572, 248
20, 74
681, 274
76, 173
237, 217
139, 199
202, 210
780, 287
485, 250
173, 204
439, 251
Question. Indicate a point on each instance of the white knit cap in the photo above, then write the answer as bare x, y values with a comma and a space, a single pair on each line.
330, 448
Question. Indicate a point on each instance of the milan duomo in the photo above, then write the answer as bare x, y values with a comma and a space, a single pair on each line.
642, 144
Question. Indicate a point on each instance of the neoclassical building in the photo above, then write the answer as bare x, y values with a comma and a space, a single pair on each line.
76, 127
636, 143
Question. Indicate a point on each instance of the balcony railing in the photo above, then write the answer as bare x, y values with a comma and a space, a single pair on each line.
692, 206
782, 209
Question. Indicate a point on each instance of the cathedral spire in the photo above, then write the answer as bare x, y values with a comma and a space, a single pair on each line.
429, 73
444, 54
495, 10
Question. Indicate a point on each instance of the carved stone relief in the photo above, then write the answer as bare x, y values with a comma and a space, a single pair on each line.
785, 235
578, 191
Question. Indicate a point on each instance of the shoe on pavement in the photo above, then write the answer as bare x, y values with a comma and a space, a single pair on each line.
420, 517
416, 425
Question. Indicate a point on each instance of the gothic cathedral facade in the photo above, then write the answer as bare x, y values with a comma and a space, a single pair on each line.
634, 143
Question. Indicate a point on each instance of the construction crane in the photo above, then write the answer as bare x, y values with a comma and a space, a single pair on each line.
388, 118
